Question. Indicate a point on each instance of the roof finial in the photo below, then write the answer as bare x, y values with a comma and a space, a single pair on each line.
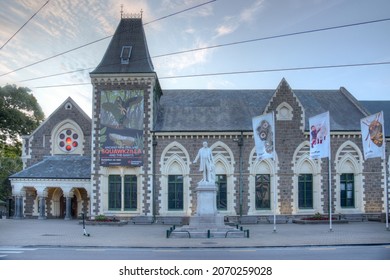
141, 13
121, 10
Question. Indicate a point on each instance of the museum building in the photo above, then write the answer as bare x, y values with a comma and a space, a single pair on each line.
134, 158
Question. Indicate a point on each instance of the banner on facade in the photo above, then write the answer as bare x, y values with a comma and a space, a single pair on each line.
373, 134
121, 128
319, 136
264, 135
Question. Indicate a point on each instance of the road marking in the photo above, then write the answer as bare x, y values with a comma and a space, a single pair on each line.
167, 251
387, 247
91, 250
243, 251
11, 252
2, 256
322, 249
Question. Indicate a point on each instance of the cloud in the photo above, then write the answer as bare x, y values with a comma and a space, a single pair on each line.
174, 65
232, 23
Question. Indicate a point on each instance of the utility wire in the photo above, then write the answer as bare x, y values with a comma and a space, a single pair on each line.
24, 25
249, 72
96, 41
182, 11
230, 44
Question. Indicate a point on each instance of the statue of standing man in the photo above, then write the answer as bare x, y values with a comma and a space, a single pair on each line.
206, 163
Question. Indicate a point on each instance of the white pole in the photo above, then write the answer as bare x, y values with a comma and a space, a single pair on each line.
274, 207
274, 159
386, 196
330, 194
330, 182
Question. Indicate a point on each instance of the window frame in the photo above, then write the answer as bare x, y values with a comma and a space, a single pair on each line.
114, 192
262, 181
175, 191
348, 178
305, 190
221, 197
130, 187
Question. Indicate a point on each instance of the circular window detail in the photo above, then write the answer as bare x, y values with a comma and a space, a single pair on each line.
68, 140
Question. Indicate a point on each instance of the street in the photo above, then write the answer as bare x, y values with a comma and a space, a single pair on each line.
361, 252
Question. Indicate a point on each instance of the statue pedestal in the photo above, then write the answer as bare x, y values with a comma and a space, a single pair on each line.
206, 210
206, 223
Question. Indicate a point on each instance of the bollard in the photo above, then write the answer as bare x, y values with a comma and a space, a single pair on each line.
208, 233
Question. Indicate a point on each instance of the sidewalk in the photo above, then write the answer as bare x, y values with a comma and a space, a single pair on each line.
32, 232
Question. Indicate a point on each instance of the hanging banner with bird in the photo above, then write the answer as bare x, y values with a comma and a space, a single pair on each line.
319, 136
121, 128
264, 135
372, 128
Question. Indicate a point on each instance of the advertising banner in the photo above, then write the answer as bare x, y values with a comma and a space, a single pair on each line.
121, 128
264, 135
319, 136
372, 128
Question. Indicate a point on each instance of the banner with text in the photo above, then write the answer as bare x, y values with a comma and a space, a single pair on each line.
264, 135
319, 136
372, 128
121, 128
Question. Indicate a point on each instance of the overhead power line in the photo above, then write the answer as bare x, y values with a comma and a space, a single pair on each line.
231, 44
248, 72
24, 25
101, 39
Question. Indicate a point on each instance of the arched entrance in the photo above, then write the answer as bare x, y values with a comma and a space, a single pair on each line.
59, 204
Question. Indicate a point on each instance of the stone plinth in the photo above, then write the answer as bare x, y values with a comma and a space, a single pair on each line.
206, 223
206, 208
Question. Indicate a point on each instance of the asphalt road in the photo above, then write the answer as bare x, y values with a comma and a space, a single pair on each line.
367, 252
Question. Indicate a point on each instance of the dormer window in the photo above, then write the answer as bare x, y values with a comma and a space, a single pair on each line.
125, 54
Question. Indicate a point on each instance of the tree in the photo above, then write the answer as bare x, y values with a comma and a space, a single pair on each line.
20, 114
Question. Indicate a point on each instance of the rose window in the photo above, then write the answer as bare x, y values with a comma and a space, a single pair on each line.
68, 140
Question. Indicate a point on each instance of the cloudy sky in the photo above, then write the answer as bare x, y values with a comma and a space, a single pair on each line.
64, 25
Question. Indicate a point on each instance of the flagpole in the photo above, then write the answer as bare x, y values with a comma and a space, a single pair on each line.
385, 174
274, 207
330, 182
330, 190
386, 196
273, 121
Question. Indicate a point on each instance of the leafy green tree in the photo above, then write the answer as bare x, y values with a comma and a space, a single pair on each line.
20, 114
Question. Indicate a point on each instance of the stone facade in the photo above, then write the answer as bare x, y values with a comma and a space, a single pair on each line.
172, 136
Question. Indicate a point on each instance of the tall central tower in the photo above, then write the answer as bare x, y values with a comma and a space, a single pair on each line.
125, 94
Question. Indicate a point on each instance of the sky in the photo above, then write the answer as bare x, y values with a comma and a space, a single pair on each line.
63, 25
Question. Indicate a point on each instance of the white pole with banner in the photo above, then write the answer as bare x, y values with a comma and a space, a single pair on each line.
320, 148
374, 142
264, 136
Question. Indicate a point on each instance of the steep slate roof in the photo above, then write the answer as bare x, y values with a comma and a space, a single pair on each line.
233, 110
58, 167
344, 113
376, 106
210, 110
130, 32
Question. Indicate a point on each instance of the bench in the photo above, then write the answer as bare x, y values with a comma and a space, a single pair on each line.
142, 220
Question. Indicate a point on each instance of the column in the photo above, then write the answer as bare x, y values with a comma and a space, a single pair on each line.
68, 208
42, 204
19, 206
